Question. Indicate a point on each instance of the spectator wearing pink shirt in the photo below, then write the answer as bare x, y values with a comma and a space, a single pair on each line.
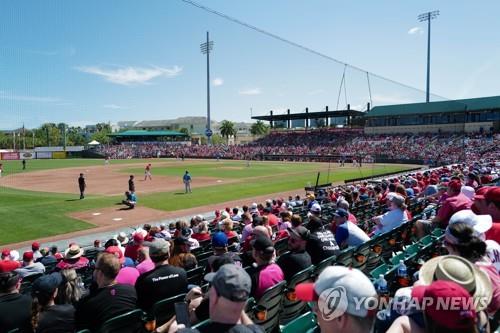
145, 262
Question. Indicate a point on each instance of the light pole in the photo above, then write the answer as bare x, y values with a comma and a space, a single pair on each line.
421, 18
205, 49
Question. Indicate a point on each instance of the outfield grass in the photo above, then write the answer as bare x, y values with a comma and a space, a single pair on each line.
27, 215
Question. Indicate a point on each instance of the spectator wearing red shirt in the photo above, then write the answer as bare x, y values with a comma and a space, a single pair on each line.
487, 201
273, 219
202, 233
7, 264
455, 202
227, 226
132, 248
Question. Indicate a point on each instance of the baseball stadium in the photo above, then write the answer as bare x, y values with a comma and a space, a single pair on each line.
379, 212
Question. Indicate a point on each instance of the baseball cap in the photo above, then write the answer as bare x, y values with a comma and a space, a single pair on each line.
47, 284
219, 240
460, 316
35, 246
341, 213
5, 252
226, 258
138, 237
397, 199
349, 284
300, 232
231, 282
493, 194
468, 191
117, 252
481, 192
480, 223
263, 244
158, 247
27, 256
315, 208
455, 185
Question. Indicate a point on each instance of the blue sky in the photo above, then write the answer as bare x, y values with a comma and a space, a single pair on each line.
83, 62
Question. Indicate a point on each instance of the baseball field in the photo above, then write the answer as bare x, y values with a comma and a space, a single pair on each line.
42, 202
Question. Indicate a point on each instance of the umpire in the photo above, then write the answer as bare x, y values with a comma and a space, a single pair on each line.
82, 185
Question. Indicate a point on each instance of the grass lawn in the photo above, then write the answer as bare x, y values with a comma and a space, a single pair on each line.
27, 215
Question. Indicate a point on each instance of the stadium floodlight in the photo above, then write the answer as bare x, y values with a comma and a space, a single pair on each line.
205, 48
429, 16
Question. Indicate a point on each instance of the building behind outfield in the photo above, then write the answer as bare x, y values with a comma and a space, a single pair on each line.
458, 116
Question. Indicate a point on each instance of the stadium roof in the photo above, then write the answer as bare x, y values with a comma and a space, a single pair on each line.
146, 133
310, 115
460, 105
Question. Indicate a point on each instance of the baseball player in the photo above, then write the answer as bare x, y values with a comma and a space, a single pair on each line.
82, 185
131, 184
187, 181
147, 172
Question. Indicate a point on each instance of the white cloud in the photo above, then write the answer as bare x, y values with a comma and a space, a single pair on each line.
251, 91
316, 92
218, 81
131, 75
113, 106
415, 31
23, 98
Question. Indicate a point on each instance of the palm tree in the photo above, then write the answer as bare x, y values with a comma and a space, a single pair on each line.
259, 128
227, 129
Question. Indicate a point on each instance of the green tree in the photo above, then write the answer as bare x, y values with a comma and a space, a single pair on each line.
184, 130
217, 139
259, 128
227, 129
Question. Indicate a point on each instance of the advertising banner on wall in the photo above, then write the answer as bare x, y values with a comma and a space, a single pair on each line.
26, 155
59, 154
10, 156
43, 154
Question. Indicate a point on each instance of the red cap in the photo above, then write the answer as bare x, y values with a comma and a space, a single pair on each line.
446, 303
480, 192
28, 256
493, 194
455, 185
59, 256
117, 252
5, 252
35, 246
305, 292
138, 237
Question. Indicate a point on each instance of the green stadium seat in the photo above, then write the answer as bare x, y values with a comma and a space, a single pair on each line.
267, 309
300, 324
195, 275
291, 305
395, 260
344, 258
437, 232
382, 269
425, 241
130, 322
164, 310
319, 267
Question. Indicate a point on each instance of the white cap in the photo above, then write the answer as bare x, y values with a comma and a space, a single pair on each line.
348, 285
468, 191
315, 208
480, 223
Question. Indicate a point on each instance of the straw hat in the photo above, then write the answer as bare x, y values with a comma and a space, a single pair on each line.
462, 272
73, 252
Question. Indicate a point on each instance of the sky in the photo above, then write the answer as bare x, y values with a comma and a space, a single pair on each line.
83, 62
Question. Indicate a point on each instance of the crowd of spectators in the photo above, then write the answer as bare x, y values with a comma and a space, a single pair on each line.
136, 270
431, 148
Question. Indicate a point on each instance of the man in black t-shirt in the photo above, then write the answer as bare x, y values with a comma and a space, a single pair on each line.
297, 259
15, 309
163, 281
82, 185
321, 243
109, 300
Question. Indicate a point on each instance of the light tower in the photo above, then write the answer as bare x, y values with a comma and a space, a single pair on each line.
421, 18
205, 49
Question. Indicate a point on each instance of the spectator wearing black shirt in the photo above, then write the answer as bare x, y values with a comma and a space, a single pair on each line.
109, 300
47, 317
163, 281
15, 309
297, 259
321, 243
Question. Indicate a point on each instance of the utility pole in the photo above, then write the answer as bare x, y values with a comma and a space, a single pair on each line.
421, 18
205, 49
